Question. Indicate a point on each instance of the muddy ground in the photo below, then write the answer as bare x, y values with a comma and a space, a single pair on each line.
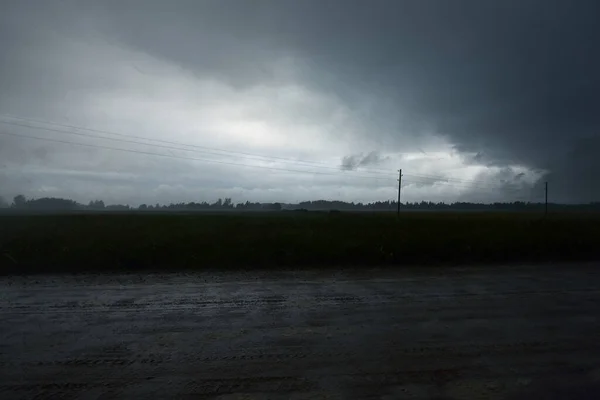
459, 333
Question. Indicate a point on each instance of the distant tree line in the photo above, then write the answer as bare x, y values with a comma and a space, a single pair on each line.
43, 204
20, 202
438, 206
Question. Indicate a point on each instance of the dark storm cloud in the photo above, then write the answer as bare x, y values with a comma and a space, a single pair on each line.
516, 81
353, 161
513, 81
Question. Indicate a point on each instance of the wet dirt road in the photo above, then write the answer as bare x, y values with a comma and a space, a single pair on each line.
433, 333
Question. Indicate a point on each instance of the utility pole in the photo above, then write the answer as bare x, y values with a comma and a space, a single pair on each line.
546, 208
399, 188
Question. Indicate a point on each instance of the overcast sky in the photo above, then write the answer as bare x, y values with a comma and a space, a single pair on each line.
298, 100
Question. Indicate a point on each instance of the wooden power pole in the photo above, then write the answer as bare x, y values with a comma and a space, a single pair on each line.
399, 189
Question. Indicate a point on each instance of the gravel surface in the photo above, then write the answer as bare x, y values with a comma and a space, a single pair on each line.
458, 333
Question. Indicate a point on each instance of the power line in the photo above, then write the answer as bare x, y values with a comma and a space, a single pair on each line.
445, 178
183, 157
142, 143
203, 149
341, 174
202, 160
476, 190
440, 179
482, 188
466, 183
211, 151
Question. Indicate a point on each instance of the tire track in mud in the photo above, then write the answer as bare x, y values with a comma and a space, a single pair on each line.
210, 386
451, 354
299, 302
463, 378
361, 341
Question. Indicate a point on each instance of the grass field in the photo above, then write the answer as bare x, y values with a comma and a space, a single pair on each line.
103, 242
